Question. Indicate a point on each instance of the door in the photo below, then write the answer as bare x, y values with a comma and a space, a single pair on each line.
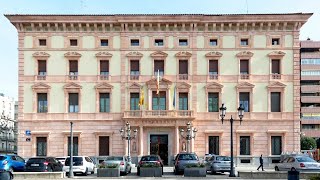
159, 146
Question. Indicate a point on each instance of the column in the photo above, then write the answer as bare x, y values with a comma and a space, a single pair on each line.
177, 147
141, 141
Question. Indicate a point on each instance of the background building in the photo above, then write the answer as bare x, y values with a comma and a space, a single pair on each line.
310, 89
94, 69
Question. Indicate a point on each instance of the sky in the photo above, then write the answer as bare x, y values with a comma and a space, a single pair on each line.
9, 39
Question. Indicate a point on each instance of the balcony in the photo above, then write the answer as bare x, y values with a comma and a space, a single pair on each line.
244, 76
134, 77
275, 76
72, 77
213, 76
310, 99
310, 110
183, 76
103, 77
310, 88
150, 114
41, 77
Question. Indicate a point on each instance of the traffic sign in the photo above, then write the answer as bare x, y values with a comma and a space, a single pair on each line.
28, 133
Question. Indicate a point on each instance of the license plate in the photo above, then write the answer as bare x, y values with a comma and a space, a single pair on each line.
34, 165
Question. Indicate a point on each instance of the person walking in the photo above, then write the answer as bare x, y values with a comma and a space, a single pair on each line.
261, 163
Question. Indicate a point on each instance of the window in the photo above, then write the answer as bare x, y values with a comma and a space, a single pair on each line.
213, 102
244, 42
213, 42
73, 102
310, 73
75, 146
276, 145
104, 42
103, 145
244, 66
134, 42
134, 69
183, 42
275, 66
159, 100
41, 146
42, 42
158, 42
275, 41
104, 67
214, 145
104, 101
310, 61
73, 42
42, 103
159, 65
42, 67
213, 67
183, 101
73, 68
244, 99
245, 145
275, 102
183, 66
134, 101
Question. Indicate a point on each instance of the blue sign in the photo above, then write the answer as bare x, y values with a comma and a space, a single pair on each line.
28, 133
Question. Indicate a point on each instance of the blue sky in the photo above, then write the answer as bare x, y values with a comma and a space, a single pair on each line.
8, 34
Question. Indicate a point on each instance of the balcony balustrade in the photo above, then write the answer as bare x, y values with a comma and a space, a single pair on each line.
310, 99
310, 88
134, 77
103, 77
41, 77
183, 76
244, 76
275, 76
73, 77
159, 114
213, 76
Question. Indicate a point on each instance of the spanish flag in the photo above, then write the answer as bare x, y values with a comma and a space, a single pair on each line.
141, 100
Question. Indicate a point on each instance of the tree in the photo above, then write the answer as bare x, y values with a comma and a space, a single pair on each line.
308, 143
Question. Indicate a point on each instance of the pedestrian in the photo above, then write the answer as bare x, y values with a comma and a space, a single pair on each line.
261, 163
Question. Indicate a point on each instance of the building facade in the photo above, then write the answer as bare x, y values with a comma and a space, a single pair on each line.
94, 70
8, 139
310, 92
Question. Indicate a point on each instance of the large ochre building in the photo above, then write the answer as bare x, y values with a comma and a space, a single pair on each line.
94, 69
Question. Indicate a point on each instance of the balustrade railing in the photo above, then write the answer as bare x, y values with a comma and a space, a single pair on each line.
158, 113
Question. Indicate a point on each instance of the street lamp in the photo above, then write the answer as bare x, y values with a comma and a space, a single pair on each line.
71, 175
126, 134
223, 110
190, 134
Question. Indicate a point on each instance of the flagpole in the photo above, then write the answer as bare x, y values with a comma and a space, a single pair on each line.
158, 91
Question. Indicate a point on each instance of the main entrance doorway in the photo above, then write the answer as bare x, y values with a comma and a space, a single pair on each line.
159, 146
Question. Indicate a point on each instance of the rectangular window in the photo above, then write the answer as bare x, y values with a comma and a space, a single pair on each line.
104, 101
159, 65
104, 67
244, 42
214, 145
244, 99
75, 146
41, 146
213, 42
42, 103
42, 42
73, 68
275, 66
244, 66
134, 67
275, 41
42, 67
158, 42
213, 67
104, 42
183, 66
276, 145
73, 42
134, 101
183, 42
134, 42
159, 101
103, 145
213, 102
183, 101
275, 102
245, 145
73, 102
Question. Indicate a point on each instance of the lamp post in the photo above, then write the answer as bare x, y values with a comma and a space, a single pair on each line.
223, 110
190, 134
71, 152
126, 134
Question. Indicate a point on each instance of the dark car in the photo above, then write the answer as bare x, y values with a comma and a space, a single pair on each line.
184, 159
6, 175
11, 163
150, 159
43, 164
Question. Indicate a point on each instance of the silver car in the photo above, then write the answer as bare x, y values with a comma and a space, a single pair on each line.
218, 164
298, 163
184, 159
125, 165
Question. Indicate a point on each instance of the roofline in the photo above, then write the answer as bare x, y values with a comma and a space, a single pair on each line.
157, 14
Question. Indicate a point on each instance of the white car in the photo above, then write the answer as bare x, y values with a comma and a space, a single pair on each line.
81, 164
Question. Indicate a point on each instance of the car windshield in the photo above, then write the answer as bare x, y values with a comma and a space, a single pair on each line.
223, 158
2, 158
149, 158
60, 158
188, 157
114, 158
76, 161
36, 160
304, 159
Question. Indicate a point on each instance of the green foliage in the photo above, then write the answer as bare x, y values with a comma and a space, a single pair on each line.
308, 143
150, 165
315, 177
104, 166
195, 165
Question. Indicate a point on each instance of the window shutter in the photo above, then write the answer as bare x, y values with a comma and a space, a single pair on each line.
134, 65
42, 66
73, 66
183, 66
276, 66
104, 66
244, 66
213, 66
158, 65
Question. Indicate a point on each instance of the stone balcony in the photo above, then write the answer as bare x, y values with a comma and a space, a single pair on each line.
164, 114
310, 88
310, 99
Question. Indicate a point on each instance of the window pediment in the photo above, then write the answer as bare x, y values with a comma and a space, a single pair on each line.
102, 86
159, 54
134, 54
41, 55
213, 86
164, 83
41, 87
72, 55
103, 54
135, 86
276, 54
183, 85
245, 54
183, 54
213, 54
72, 86
245, 85
276, 85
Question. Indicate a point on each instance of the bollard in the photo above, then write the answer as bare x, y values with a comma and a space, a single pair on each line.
293, 175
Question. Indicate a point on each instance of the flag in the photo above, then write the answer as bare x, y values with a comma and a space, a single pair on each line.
141, 100
158, 81
174, 98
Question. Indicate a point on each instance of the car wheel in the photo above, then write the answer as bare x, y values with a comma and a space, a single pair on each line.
276, 168
92, 172
86, 172
138, 172
212, 171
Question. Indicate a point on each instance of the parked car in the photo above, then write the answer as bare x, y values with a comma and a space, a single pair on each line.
150, 159
218, 164
81, 164
43, 164
182, 160
207, 157
6, 175
298, 163
125, 165
12, 163
61, 159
